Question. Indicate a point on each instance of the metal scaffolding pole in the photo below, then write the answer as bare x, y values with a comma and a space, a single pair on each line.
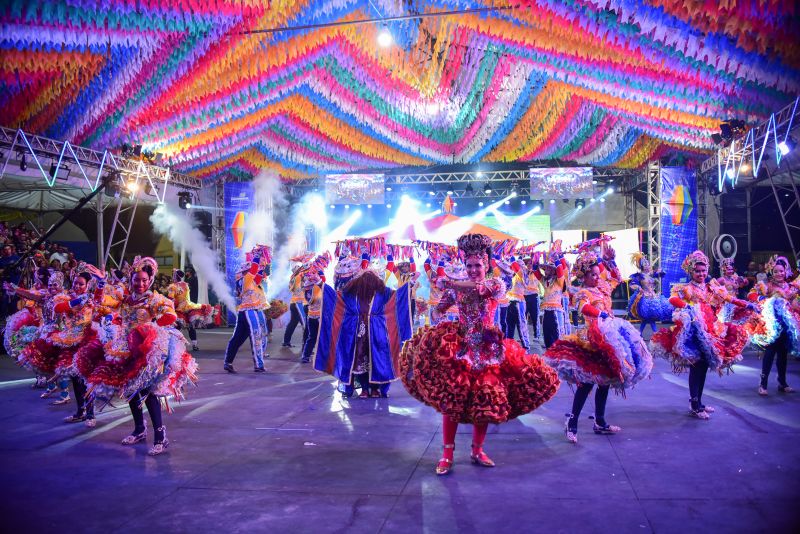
654, 213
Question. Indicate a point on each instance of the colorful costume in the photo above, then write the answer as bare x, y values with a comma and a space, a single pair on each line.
250, 320
362, 329
22, 327
699, 341
467, 369
190, 314
778, 330
555, 315
645, 303
732, 283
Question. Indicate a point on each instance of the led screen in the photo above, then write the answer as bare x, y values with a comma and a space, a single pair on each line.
570, 182
354, 188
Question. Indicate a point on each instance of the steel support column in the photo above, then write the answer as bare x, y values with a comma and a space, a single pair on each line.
654, 213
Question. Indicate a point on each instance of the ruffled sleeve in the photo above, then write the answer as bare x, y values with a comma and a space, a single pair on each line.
492, 288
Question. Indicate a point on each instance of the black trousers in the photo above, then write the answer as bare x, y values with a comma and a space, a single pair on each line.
779, 348
516, 323
294, 320
697, 381
192, 332
153, 408
532, 311
549, 328
600, 399
311, 339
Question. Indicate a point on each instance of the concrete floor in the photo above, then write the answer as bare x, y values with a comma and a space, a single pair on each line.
282, 452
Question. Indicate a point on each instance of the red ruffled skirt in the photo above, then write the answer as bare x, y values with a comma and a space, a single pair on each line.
198, 317
433, 374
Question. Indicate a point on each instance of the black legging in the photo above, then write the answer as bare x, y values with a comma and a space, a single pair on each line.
581, 394
153, 408
192, 332
697, 381
780, 348
83, 407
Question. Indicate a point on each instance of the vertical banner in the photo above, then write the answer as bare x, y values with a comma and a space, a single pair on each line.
238, 207
678, 222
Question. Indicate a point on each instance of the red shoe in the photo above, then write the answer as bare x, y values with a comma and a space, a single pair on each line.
480, 457
445, 465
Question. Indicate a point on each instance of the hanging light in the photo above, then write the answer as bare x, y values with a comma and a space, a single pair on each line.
385, 38
580, 203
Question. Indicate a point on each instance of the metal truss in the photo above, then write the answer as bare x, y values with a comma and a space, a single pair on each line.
502, 182
702, 228
89, 163
745, 157
218, 228
653, 177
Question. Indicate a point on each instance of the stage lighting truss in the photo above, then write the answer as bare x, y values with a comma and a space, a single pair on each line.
745, 155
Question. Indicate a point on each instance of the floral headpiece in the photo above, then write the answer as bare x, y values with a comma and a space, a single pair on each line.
456, 270
138, 265
584, 263
693, 259
347, 267
56, 277
778, 260
311, 278
726, 262
475, 245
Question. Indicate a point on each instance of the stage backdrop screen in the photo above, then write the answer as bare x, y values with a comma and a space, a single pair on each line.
573, 182
354, 188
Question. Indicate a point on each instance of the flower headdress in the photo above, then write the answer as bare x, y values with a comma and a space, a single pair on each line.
693, 259
138, 265
778, 260
584, 263
726, 262
56, 277
476, 245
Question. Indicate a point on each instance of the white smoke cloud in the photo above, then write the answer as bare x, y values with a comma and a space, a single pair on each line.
179, 228
269, 201
309, 211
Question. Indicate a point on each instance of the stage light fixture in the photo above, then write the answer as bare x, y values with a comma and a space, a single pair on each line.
427, 204
23, 162
479, 174
132, 186
580, 203
455, 204
602, 200
388, 187
787, 145
730, 173
594, 182
487, 190
610, 189
184, 200
369, 206
552, 201
523, 202
432, 193
449, 191
404, 196
53, 170
480, 204
592, 199
507, 202
388, 206
717, 138
347, 206
469, 189
385, 38
332, 206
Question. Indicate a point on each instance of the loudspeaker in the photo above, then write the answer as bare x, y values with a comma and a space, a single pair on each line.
724, 246
733, 219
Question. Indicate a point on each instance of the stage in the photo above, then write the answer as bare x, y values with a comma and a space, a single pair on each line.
282, 451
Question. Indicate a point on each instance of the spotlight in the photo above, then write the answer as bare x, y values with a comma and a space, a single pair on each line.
332, 206
184, 200
388, 206
507, 202
431, 193
455, 204
787, 145
610, 189
730, 173
388, 187
369, 206
133, 187
53, 170
480, 204
347, 206
427, 204
538, 205
469, 188
23, 162
487, 189
552, 201
594, 182
592, 199
602, 200
580, 203
523, 202
449, 191
385, 38
479, 174
513, 194
404, 196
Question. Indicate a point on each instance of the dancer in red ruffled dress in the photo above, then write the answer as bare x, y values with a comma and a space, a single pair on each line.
138, 356
466, 369
190, 314
699, 341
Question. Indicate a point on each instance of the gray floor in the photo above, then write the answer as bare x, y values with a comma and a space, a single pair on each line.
282, 450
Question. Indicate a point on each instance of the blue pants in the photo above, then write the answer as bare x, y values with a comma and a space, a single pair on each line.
310, 341
515, 321
252, 324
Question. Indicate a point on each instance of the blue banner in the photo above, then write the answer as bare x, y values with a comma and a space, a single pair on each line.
678, 222
238, 206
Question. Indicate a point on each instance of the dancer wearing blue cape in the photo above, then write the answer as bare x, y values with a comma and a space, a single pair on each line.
362, 328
